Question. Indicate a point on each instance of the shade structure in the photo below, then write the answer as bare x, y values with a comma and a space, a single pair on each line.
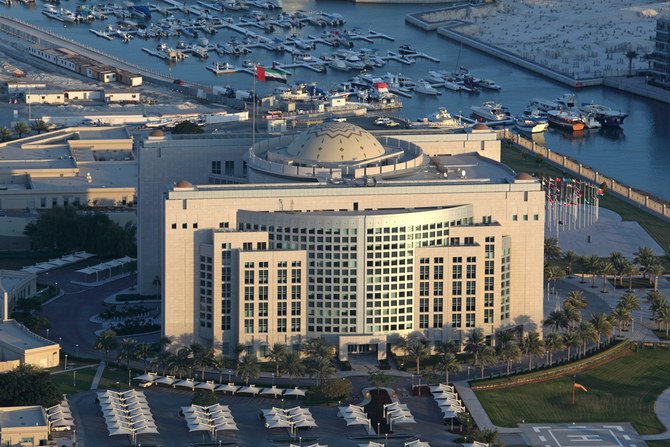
476, 444
147, 377
274, 391
448, 401
444, 395
251, 389
351, 410
442, 387
294, 392
212, 418
448, 414
209, 385
126, 413
357, 421
371, 444
228, 388
308, 422
167, 380
186, 383
278, 424
417, 443
62, 423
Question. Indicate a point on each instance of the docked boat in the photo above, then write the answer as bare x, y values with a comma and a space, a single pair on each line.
490, 111
354, 62
566, 101
590, 121
543, 105
293, 93
488, 84
441, 119
607, 116
338, 64
406, 49
219, 68
424, 87
528, 125
565, 120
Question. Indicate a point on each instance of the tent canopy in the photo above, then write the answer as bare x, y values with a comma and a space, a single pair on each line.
209, 385
274, 391
228, 388
251, 389
294, 392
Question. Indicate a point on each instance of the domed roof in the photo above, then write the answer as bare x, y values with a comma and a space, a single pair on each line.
156, 133
523, 176
335, 143
480, 126
184, 184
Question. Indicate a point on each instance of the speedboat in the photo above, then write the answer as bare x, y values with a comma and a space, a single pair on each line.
529, 125
354, 62
543, 105
488, 84
590, 121
221, 68
424, 87
490, 111
605, 115
406, 49
338, 64
565, 120
441, 119
566, 101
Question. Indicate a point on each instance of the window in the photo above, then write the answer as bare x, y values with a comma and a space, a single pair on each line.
248, 309
282, 276
438, 288
296, 275
488, 315
230, 167
437, 321
248, 293
249, 326
281, 292
455, 320
515, 217
488, 268
295, 308
295, 324
262, 309
216, 167
470, 304
470, 287
423, 304
281, 325
456, 304
456, 272
424, 289
469, 320
471, 271
248, 277
437, 305
438, 272
423, 321
263, 325
295, 292
281, 309
457, 288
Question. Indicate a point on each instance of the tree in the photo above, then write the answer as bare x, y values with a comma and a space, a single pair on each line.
487, 356
321, 368
293, 365
106, 342
532, 346
417, 350
317, 348
663, 317
552, 249
621, 315
336, 389
631, 55
655, 270
593, 267
127, 350
144, 352
21, 128
445, 348
509, 353
655, 300
474, 342
219, 363
619, 262
276, 354
162, 361
248, 368
644, 257
379, 379
181, 362
39, 126
157, 284
586, 333
602, 326
448, 364
571, 340
553, 273
606, 269
503, 336
576, 299
5, 134
570, 257
187, 127
202, 357
27, 385
552, 343
556, 320
630, 271
630, 302
238, 349
204, 398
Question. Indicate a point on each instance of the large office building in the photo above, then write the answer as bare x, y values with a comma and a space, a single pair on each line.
338, 233
660, 57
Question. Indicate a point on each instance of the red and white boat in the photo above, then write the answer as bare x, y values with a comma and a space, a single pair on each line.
565, 119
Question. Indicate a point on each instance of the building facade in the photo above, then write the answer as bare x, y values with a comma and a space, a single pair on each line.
358, 238
660, 58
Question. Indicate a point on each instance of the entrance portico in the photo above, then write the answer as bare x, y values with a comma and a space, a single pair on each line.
361, 344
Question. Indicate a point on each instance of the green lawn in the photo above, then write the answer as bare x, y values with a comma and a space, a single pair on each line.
66, 384
665, 443
623, 390
657, 228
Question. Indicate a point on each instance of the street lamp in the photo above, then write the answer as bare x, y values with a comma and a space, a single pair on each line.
65, 366
230, 373
273, 379
47, 333
468, 372
74, 378
76, 347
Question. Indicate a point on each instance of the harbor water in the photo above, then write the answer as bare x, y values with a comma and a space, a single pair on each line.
637, 154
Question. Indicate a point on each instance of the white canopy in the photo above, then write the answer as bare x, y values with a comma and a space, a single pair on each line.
278, 424
309, 422
442, 387
476, 444
294, 392
228, 388
357, 421
167, 380
186, 383
274, 391
209, 385
444, 395
417, 443
371, 444
147, 377
251, 389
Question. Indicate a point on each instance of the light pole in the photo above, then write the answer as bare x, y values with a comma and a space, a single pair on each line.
378, 429
273, 379
468, 372
60, 340
76, 347
230, 373
65, 366
47, 333
129, 377
74, 378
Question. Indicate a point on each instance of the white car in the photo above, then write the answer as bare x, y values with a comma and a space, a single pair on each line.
145, 384
382, 121
391, 123
339, 119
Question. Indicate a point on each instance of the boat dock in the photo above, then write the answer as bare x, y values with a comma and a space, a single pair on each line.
470, 120
353, 35
211, 6
102, 34
314, 66
402, 93
398, 58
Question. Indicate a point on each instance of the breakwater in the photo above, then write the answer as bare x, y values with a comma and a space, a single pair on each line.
641, 199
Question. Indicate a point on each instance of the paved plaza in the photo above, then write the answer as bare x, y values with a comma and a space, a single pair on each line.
582, 435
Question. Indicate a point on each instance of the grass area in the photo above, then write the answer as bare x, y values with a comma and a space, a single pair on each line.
622, 390
116, 378
665, 443
71, 383
657, 228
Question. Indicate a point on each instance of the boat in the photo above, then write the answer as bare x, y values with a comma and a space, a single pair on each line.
424, 87
354, 62
490, 111
441, 119
590, 121
607, 116
338, 64
219, 68
488, 84
543, 105
293, 93
529, 125
406, 49
566, 101
565, 120
435, 77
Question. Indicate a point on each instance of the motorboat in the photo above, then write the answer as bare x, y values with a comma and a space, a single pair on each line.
293, 93
406, 49
338, 64
590, 121
219, 68
354, 62
567, 101
565, 119
607, 116
528, 125
488, 84
490, 111
424, 87
441, 119
435, 77
543, 105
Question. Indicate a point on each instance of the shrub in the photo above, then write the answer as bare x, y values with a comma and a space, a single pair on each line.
384, 364
345, 365
336, 389
204, 398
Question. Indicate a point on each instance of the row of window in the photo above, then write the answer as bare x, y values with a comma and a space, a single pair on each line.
260, 326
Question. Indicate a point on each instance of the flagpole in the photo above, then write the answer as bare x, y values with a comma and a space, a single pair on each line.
253, 111
574, 381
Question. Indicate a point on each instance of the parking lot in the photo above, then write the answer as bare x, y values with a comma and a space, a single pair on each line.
582, 435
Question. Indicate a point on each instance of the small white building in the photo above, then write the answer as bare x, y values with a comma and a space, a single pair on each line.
23, 426
55, 97
15, 285
18, 344
125, 96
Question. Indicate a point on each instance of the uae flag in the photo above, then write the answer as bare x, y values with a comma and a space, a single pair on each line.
580, 387
270, 74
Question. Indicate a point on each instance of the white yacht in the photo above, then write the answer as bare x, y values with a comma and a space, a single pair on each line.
490, 111
354, 62
338, 64
440, 119
489, 84
543, 105
424, 87
530, 125
567, 101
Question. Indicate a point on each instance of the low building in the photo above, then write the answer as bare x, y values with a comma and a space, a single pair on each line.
123, 96
54, 97
20, 87
23, 426
59, 97
15, 285
17, 343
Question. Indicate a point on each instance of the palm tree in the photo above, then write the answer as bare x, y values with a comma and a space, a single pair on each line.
621, 315
448, 363
630, 271
586, 333
570, 257
401, 343
474, 342
593, 267
276, 354
551, 248
162, 343
644, 256
571, 340
655, 270
445, 348
162, 361
248, 368
418, 350
630, 55
379, 379
127, 351
509, 353
663, 317
576, 299
602, 326
157, 284
293, 365
572, 315
606, 268
237, 350
532, 346
553, 342
321, 368
106, 342
553, 273
39, 126
144, 352
655, 300
619, 262
556, 320
630, 302
202, 357
317, 348
181, 362
5, 134
219, 363
503, 337
21, 128
487, 356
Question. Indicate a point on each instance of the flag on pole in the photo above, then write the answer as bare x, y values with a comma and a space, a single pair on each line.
270, 74
580, 387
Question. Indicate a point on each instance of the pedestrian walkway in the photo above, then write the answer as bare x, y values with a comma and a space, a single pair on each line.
61, 371
98, 376
476, 410
662, 408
